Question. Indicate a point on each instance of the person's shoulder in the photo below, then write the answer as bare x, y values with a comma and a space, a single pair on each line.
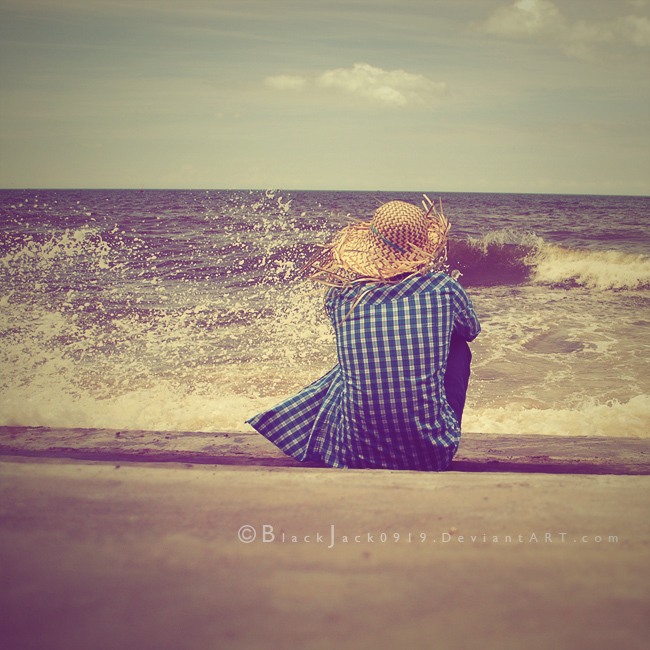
440, 282
437, 280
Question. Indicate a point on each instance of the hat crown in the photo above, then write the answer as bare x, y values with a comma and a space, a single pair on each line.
399, 239
402, 224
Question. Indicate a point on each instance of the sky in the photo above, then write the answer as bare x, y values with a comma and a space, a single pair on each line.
539, 96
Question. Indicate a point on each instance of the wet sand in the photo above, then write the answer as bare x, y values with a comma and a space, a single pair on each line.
122, 554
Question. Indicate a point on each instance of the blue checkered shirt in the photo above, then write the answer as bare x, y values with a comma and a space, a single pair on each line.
383, 405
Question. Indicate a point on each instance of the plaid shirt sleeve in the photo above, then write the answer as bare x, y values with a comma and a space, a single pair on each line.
383, 405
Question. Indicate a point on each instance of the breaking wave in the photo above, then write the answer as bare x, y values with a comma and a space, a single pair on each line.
508, 258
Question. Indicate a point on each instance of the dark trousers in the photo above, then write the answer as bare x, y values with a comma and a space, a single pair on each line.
457, 374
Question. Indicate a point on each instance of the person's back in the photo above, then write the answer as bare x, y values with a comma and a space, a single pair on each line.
393, 348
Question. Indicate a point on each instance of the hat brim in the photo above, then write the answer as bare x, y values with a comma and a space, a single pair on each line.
357, 251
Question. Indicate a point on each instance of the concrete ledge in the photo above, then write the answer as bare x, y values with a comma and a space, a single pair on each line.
161, 556
478, 452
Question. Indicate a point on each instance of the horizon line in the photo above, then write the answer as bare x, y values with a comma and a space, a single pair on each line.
274, 189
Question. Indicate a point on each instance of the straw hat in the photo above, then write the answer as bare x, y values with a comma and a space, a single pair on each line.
400, 238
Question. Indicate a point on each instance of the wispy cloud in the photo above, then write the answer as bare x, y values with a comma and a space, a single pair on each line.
387, 88
542, 20
285, 82
525, 18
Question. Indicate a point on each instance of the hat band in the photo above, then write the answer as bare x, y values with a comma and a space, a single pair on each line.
387, 241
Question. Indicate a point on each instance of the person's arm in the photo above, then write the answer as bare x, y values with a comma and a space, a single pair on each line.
466, 323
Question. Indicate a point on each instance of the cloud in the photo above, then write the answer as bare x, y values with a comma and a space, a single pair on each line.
395, 88
584, 37
525, 18
387, 88
542, 20
285, 82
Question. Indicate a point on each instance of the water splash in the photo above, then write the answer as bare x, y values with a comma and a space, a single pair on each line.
600, 270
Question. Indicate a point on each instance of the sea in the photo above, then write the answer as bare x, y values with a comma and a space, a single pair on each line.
189, 310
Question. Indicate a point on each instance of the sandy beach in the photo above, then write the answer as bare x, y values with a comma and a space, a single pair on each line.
127, 554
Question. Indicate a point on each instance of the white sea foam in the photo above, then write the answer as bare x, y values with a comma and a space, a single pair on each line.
615, 419
592, 269
507, 237
166, 408
68, 245
160, 408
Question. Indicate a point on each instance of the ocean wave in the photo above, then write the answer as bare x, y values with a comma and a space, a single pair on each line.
603, 270
164, 407
482, 263
509, 257
613, 419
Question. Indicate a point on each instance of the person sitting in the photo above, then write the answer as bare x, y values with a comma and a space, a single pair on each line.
395, 398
